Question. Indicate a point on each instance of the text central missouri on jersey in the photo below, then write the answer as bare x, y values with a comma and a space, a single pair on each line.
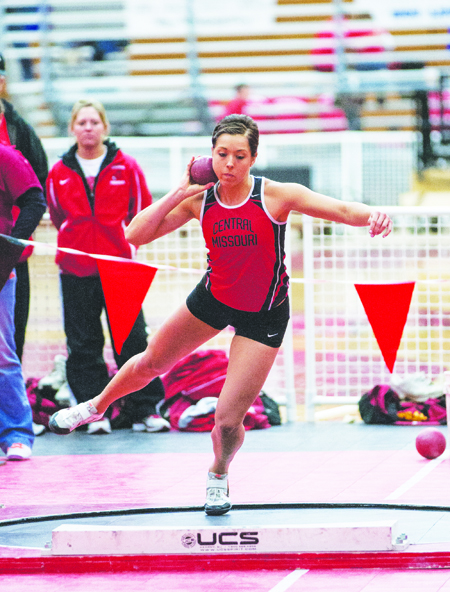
238, 240
232, 224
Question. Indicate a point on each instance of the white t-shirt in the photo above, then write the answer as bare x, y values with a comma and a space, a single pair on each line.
90, 167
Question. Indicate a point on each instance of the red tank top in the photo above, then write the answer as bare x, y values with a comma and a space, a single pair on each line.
245, 245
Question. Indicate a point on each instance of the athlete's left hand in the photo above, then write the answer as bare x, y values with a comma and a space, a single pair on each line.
379, 223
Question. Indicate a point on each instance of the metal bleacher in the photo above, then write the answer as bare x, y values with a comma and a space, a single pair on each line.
177, 84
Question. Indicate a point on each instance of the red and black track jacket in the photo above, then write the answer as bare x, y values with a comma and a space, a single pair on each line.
94, 221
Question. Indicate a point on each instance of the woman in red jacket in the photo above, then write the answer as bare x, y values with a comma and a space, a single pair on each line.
93, 193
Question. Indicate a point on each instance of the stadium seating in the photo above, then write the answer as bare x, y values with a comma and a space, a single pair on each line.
148, 86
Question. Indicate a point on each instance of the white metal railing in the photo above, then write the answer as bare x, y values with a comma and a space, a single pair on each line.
343, 359
374, 167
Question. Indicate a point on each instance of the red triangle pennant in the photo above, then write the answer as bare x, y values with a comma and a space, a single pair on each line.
387, 307
125, 285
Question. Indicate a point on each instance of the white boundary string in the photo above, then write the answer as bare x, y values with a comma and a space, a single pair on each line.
98, 256
199, 271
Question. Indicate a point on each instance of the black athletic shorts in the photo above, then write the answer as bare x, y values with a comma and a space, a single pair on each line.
267, 327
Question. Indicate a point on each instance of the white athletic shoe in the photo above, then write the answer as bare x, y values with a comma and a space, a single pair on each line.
18, 451
217, 495
152, 423
65, 397
102, 426
66, 420
38, 429
57, 376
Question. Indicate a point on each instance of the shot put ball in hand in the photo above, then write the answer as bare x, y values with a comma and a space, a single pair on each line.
202, 171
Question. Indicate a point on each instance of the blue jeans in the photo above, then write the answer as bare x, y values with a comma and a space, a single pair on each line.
15, 411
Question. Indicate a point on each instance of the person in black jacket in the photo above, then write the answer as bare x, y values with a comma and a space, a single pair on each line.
15, 131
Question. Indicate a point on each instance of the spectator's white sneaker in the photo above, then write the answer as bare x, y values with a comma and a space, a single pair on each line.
66, 420
57, 376
152, 423
18, 451
38, 429
64, 397
102, 426
217, 495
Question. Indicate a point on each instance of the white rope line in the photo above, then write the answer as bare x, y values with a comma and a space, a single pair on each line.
316, 281
99, 256
202, 271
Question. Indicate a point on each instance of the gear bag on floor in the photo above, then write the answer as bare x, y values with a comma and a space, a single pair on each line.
382, 405
192, 388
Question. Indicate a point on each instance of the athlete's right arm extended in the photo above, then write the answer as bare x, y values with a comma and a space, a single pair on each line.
165, 215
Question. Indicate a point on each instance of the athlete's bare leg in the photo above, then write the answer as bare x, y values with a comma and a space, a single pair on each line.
249, 364
179, 335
